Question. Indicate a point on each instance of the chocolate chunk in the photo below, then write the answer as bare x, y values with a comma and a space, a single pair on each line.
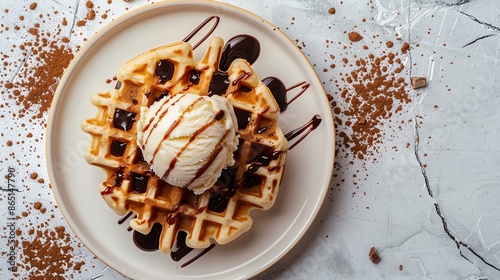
194, 76
243, 118
164, 70
139, 183
118, 148
123, 119
418, 82
374, 256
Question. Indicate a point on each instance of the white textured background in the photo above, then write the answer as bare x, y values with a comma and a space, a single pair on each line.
430, 202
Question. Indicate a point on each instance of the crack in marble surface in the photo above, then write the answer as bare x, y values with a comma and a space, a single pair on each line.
74, 19
489, 25
455, 239
461, 243
417, 157
408, 38
451, 3
20, 66
478, 39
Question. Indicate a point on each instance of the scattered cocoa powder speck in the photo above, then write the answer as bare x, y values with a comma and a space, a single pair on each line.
9, 143
354, 36
34, 175
90, 15
90, 11
37, 205
33, 31
78, 265
405, 48
81, 23
331, 11
33, 6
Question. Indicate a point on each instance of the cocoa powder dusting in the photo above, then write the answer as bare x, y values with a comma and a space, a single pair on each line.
372, 93
41, 43
34, 84
38, 81
48, 255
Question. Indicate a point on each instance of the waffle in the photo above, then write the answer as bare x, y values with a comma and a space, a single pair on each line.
220, 213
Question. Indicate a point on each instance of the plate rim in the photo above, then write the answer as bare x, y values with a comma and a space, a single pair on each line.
122, 19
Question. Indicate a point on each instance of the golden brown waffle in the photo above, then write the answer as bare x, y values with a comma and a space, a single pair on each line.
221, 213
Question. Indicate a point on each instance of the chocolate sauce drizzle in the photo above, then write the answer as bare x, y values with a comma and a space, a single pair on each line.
240, 46
279, 91
304, 130
150, 242
203, 252
197, 29
171, 128
124, 218
180, 249
304, 86
150, 121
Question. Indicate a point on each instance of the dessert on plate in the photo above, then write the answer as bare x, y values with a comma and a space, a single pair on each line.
187, 146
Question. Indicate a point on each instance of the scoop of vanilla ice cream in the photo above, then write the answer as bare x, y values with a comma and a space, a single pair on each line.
188, 139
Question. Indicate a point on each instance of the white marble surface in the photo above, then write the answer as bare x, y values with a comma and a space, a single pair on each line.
429, 202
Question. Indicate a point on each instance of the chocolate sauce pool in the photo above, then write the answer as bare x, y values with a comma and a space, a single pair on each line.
278, 89
240, 46
148, 242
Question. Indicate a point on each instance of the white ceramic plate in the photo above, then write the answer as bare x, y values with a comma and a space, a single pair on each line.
75, 183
